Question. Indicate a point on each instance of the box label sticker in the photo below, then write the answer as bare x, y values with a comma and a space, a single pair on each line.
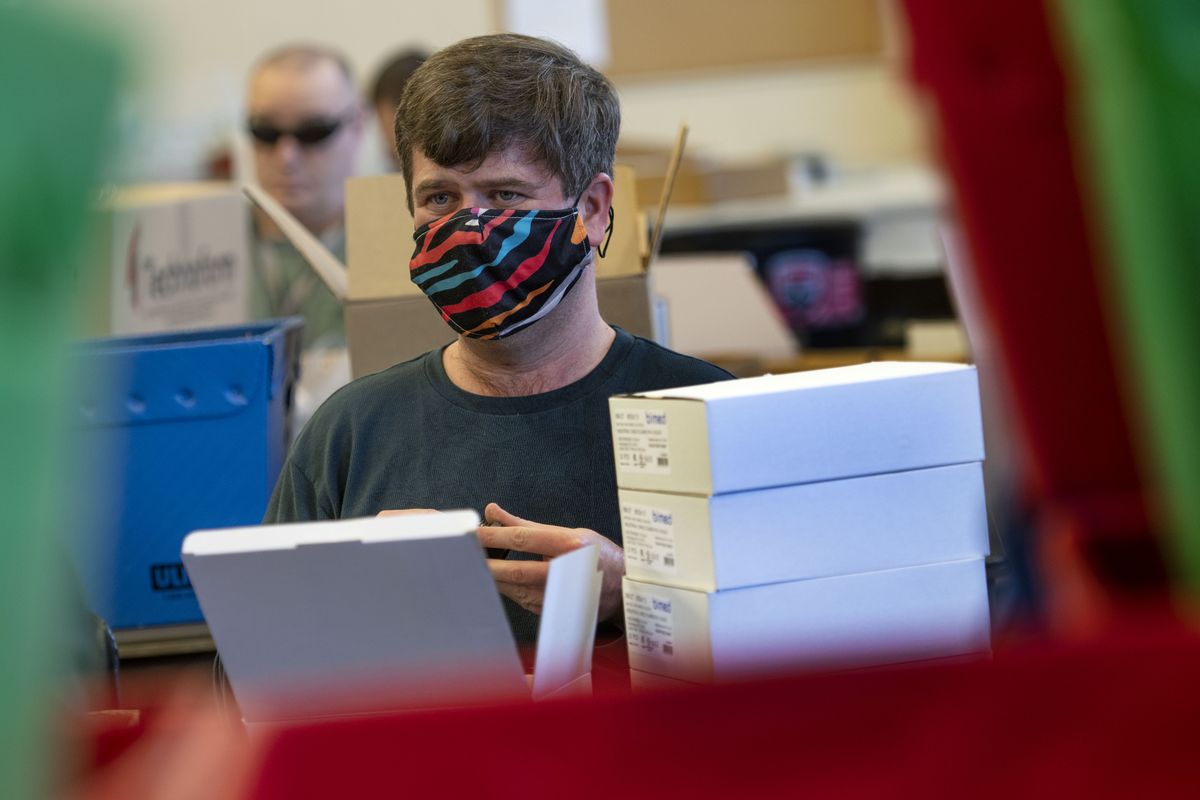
649, 626
643, 444
649, 537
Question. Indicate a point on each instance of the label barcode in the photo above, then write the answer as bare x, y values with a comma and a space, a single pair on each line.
664, 461
668, 650
668, 561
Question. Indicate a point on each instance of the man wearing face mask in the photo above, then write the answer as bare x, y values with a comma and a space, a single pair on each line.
305, 122
506, 143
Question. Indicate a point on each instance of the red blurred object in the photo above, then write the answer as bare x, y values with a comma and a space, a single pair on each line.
1108, 719
1113, 717
182, 747
218, 166
997, 83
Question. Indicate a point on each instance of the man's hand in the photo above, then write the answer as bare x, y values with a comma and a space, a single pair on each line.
524, 582
404, 512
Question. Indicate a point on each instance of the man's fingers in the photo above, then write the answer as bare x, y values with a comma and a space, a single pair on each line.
494, 513
519, 573
527, 597
542, 540
404, 512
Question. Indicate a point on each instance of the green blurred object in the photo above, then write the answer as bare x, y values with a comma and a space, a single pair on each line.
58, 85
1137, 70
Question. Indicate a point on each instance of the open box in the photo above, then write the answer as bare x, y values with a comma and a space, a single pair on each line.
389, 320
179, 430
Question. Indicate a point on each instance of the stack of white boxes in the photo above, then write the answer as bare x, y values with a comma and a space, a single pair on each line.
826, 519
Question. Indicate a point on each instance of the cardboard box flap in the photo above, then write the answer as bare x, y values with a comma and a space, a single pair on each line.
379, 238
630, 250
626, 250
146, 194
330, 270
668, 187
812, 379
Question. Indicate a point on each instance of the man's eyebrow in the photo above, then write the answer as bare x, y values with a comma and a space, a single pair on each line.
512, 183
431, 184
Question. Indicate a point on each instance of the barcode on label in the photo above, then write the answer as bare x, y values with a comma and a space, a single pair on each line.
668, 561
668, 650
664, 461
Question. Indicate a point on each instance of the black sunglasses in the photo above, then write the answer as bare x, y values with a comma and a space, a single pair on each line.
308, 133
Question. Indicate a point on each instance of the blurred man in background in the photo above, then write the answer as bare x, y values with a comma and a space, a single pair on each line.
305, 120
386, 91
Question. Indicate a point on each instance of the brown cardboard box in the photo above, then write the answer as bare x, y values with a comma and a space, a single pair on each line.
389, 320
168, 257
702, 184
671, 36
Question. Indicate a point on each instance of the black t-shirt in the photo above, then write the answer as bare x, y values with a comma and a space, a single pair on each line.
407, 437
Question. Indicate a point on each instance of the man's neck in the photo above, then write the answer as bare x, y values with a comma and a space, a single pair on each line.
555, 351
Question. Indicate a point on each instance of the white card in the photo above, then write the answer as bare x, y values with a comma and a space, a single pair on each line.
567, 631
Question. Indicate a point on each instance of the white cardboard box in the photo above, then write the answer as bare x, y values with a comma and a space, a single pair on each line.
700, 287
780, 430
174, 257
848, 621
812, 530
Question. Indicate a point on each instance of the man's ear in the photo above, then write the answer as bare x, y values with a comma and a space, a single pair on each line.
594, 204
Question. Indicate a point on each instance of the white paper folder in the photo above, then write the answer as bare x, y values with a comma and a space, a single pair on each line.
356, 616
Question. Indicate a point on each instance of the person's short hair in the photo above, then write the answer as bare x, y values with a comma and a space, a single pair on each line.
304, 55
491, 92
389, 83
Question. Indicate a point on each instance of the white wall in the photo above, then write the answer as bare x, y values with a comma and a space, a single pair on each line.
193, 56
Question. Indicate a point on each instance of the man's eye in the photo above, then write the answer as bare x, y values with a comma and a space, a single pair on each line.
507, 196
439, 199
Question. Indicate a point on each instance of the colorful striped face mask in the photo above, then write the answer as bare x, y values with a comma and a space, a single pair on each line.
493, 273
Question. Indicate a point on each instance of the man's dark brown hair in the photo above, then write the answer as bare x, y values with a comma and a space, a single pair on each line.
489, 92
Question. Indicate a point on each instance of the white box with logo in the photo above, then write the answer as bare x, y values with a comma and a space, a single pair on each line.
811, 530
174, 257
848, 621
780, 430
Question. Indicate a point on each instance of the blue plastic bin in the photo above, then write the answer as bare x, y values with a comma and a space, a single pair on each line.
179, 431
